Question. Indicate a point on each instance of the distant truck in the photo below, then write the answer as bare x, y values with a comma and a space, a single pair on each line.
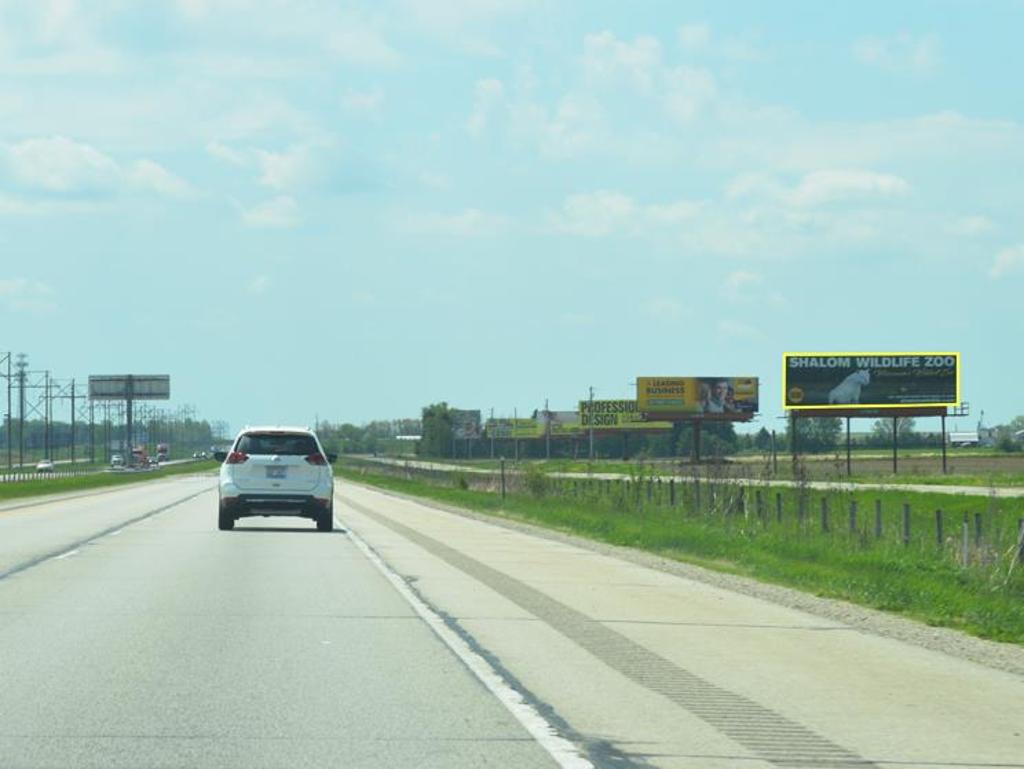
163, 452
139, 457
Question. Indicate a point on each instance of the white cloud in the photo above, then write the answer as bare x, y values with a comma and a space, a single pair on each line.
363, 102
902, 53
148, 175
606, 58
278, 213
595, 214
664, 309
819, 187
435, 181
695, 37
258, 285
1007, 261
734, 329
470, 223
58, 164
688, 91
829, 186
226, 153
24, 295
357, 41
286, 170
606, 212
488, 94
971, 226
744, 287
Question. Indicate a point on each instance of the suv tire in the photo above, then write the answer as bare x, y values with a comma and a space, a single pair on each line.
225, 520
326, 520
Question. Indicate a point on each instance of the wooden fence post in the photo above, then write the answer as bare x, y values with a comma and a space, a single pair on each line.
905, 534
977, 529
878, 519
965, 550
824, 515
672, 492
778, 507
853, 516
938, 527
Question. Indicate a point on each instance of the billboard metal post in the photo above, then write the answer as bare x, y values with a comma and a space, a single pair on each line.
895, 443
943, 444
775, 456
848, 464
591, 451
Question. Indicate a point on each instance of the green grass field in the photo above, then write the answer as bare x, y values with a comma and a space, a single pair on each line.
45, 485
924, 579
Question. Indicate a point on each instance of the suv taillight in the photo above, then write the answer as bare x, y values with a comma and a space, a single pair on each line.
236, 458
316, 459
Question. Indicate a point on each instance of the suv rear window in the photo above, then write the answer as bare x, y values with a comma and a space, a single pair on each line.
277, 443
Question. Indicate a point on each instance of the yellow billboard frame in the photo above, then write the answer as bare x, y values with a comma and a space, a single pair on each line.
869, 407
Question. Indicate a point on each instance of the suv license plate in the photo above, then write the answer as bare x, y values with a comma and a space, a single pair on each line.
276, 472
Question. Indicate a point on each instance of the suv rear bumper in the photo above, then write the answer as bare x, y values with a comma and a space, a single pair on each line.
302, 505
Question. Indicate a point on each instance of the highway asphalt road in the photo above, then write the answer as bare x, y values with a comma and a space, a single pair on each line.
134, 634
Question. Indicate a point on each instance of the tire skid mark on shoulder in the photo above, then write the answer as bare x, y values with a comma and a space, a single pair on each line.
770, 735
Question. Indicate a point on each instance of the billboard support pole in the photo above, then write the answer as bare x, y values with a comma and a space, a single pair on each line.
943, 444
591, 452
792, 436
129, 448
848, 465
895, 444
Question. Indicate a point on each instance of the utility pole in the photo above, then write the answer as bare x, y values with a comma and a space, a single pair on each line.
21, 365
591, 417
72, 424
47, 402
10, 417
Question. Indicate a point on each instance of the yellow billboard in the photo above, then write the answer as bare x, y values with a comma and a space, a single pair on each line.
721, 396
616, 415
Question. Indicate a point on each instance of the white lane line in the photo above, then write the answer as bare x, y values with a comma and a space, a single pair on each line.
68, 554
564, 753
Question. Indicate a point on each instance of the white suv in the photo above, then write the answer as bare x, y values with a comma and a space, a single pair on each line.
276, 471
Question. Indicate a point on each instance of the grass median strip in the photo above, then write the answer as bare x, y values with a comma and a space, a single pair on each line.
37, 487
913, 564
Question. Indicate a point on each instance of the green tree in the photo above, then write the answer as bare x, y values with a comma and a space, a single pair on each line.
818, 434
881, 430
437, 431
763, 439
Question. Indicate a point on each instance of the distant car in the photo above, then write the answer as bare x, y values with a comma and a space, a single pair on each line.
44, 466
276, 471
154, 462
116, 460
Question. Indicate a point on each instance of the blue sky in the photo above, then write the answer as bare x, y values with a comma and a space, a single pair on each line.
347, 211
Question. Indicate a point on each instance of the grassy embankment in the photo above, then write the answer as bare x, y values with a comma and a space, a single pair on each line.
922, 579
43, 485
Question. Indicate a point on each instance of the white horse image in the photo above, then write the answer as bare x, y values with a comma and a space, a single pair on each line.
848, 391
